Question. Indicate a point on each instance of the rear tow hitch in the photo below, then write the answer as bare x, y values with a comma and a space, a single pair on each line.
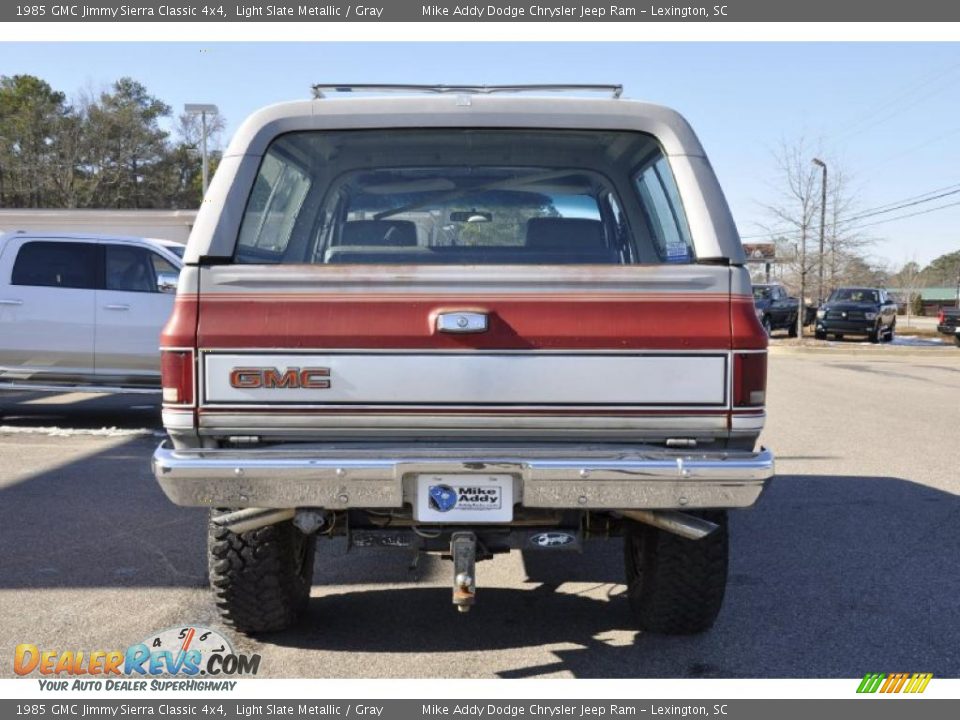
463, 551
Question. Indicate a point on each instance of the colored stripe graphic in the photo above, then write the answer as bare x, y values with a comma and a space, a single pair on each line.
894, 683
870, 682
901, 679
918, 683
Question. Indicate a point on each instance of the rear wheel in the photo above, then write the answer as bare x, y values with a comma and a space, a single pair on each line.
819, 335
792, 329
675, 586
261, 578
767, 325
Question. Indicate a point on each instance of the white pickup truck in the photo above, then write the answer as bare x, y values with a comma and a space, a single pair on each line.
464, 321
84, 311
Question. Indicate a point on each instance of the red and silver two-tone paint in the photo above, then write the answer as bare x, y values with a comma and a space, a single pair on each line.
599, 368
626, 353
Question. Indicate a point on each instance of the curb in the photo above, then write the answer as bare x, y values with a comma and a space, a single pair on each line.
872, 351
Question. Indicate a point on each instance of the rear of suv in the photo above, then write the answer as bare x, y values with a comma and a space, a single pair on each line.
465, 322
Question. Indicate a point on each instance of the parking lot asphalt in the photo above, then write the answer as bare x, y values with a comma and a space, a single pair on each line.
848, 563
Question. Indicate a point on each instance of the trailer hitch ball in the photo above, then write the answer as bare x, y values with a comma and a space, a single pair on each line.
463, 551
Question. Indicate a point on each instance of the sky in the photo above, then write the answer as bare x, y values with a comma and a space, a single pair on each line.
888, 114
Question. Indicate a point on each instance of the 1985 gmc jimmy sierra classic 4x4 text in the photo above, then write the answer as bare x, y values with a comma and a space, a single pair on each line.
465, 321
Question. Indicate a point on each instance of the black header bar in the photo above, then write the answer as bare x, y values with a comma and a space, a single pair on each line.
634, 11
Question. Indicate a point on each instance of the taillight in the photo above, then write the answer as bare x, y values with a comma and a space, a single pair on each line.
941, 316
749, 379
176, 373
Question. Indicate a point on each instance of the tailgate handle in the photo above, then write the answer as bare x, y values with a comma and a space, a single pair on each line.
462, 322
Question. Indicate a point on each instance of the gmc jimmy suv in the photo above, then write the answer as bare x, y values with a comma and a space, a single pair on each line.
465, 320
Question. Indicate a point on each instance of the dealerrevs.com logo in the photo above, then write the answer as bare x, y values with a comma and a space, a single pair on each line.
886, 683
181, 652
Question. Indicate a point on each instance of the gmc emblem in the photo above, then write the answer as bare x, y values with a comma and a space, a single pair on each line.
310, 378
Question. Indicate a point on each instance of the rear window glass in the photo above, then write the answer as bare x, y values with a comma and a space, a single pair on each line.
457, 196
56, 264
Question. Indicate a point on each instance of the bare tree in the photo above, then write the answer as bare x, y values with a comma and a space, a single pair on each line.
184, 174
843, 243
796, 222
907, 280
796, 211
188, 130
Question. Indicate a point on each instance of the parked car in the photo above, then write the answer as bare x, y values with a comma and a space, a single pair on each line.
857, 311
948, 319
83, 311
465, 323
775, 309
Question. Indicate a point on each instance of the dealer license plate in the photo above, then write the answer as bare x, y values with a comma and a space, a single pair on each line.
464, 498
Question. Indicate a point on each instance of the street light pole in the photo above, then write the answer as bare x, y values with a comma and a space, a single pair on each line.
206, 161
203, 109
823, 223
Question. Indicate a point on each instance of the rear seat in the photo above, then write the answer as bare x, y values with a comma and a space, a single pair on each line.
575, 240
376, 241
549, 241
378, 233
373, 255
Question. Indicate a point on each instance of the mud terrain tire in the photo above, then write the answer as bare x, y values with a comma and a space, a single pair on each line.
260, 578
675, 586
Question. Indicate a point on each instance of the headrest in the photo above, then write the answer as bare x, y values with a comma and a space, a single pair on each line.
564, 234
379, 233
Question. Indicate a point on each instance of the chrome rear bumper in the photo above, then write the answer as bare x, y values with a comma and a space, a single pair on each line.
341, 477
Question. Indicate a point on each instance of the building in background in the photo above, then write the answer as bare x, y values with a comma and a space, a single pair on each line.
935, 298
166, 224
763, 255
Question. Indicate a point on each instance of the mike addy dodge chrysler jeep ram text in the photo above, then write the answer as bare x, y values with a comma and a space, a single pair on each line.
465, 322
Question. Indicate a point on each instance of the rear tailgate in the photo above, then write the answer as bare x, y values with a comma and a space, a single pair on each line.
640, 353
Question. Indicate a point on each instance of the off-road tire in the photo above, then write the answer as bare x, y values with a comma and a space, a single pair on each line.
261, 578
675, 586
792, 329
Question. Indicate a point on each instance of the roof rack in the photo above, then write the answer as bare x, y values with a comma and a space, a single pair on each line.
319, 90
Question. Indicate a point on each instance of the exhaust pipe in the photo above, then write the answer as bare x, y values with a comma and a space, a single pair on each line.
678, 523
241, 521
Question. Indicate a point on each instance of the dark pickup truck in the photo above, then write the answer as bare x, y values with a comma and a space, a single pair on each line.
775, 309
857, 311
948, 323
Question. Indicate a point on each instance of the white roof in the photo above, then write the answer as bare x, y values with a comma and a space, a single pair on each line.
90, 237
217, 226
668, 126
